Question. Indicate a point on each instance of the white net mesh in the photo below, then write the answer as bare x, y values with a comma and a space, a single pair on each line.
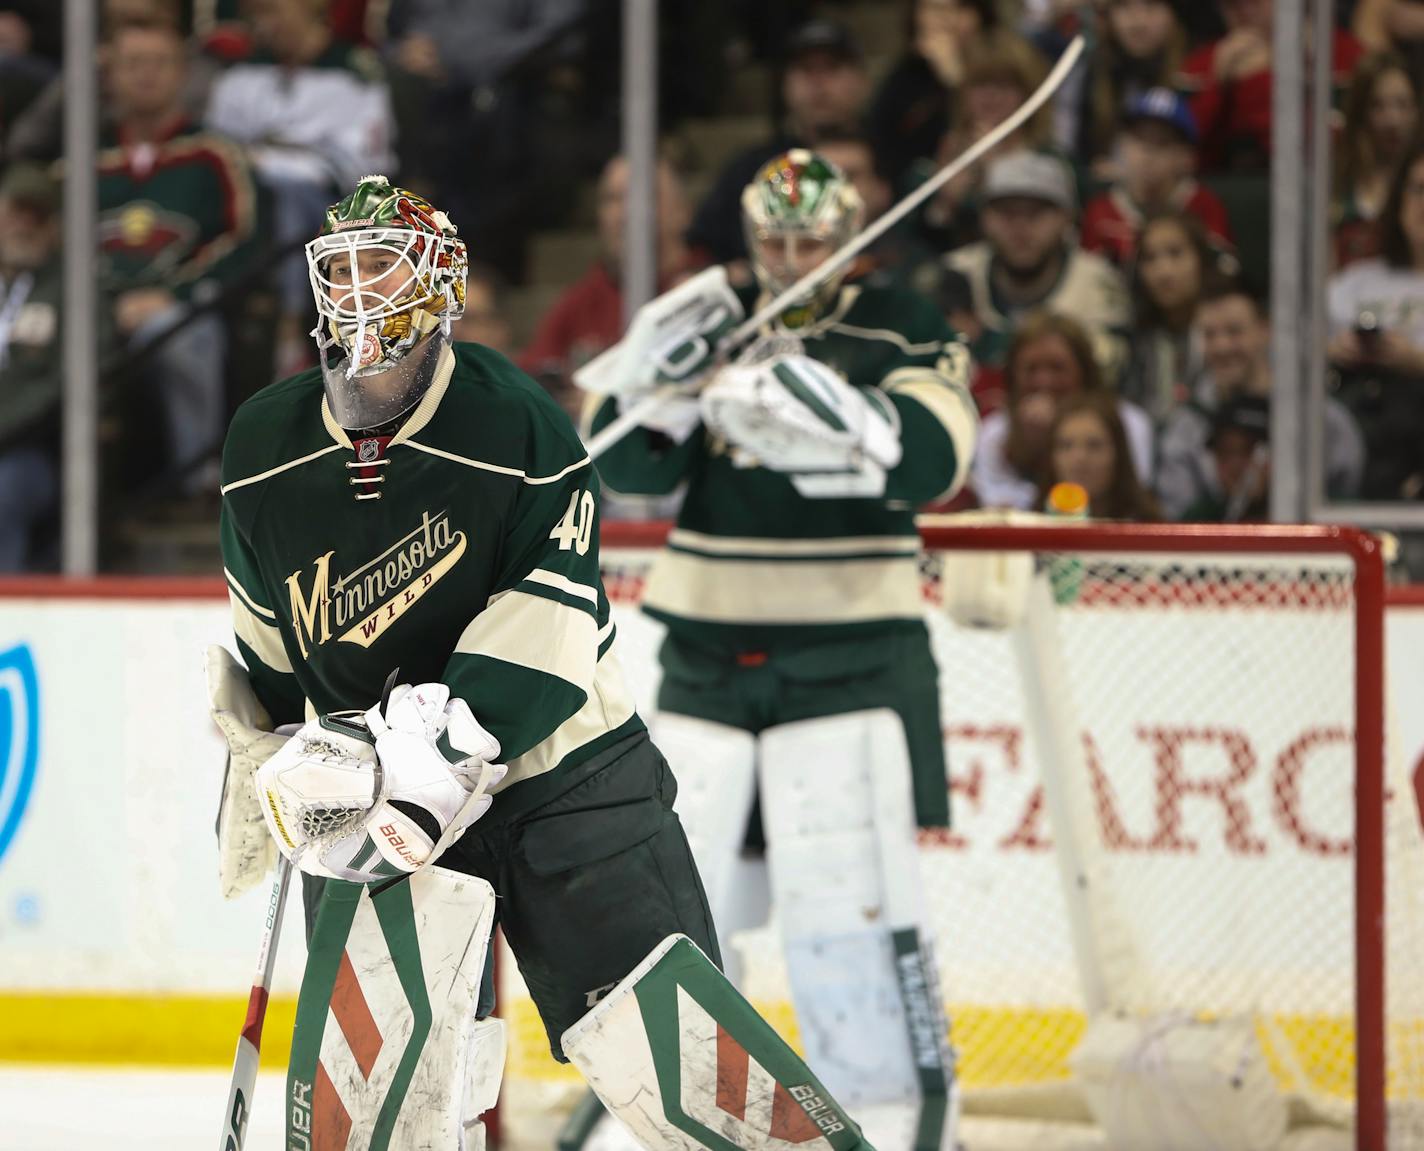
1213, 803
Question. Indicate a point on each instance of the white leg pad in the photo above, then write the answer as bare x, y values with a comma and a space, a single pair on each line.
484, 1070
837, 801
686, 1063
715, 766
388, 1001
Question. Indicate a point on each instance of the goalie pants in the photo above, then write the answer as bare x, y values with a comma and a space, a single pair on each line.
591, 871
753, 690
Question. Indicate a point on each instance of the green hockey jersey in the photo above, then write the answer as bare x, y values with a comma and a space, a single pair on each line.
752, 562
463, 549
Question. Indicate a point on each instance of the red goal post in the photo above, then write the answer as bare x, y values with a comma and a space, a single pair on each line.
1264, 582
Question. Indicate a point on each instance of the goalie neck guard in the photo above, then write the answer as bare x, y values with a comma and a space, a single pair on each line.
387, 271
797, 211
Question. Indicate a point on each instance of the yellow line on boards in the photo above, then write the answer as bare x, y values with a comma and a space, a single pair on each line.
171, 1030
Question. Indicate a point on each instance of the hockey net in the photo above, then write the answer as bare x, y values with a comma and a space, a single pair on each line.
1243, 849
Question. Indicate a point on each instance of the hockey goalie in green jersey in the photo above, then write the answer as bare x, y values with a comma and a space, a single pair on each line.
797, 666
432, 726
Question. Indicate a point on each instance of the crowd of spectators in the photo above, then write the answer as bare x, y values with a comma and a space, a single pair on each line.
1091, 260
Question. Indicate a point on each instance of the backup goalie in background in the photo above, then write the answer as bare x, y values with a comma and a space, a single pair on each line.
799, 695
423, 505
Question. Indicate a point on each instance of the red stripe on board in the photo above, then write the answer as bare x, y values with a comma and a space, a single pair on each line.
111, 587
256, 1013
331, 1122
732, 1064
353, 1015
789, 1120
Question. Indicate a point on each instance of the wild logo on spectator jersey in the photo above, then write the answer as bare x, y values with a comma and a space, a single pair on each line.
359, 606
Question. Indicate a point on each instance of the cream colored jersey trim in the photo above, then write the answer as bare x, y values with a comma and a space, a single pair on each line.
536, 633
425, 410
773, 548
557, 476
270, 472
257, 633
889, 336
333, 429
848, 295
951, 405
498, 468
252, 604
564, 584
609, 706
771, 592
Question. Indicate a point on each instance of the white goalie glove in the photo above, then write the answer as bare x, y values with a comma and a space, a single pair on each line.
245, 851
364, 797
671, 340
793, 414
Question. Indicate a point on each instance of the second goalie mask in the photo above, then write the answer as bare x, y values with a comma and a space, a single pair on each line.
386, 271
797, 211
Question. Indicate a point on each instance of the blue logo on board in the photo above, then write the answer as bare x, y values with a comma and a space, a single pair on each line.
19, 738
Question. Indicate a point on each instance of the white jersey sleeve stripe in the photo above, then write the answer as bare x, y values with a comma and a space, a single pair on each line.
564, 584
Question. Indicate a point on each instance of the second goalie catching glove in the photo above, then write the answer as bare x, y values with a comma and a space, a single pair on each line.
363, 797
793, 414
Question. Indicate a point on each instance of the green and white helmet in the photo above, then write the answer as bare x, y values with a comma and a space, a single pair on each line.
798, 197
386, 271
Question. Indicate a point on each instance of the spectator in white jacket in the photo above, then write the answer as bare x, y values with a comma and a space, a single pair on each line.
315, 116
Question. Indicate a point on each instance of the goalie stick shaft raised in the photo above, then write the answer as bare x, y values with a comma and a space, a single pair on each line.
627, 421
249, 1043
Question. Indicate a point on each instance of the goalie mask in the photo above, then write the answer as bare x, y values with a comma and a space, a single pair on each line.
387, 271
797, 211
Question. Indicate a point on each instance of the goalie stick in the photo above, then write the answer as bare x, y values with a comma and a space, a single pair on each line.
249, 1043
627, 421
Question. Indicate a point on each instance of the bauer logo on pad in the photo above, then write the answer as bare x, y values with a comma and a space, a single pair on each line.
19, 738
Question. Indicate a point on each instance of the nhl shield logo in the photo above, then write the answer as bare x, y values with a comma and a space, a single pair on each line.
368, 451
19, 738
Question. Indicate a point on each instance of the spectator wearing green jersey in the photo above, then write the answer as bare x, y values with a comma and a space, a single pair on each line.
177, 220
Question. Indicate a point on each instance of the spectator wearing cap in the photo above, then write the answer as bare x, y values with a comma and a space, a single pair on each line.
825, 89
1240, 447
1002, 74
30, 382
1143, 45
1157, 146
1029, 261
1229, 84
1235, 335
